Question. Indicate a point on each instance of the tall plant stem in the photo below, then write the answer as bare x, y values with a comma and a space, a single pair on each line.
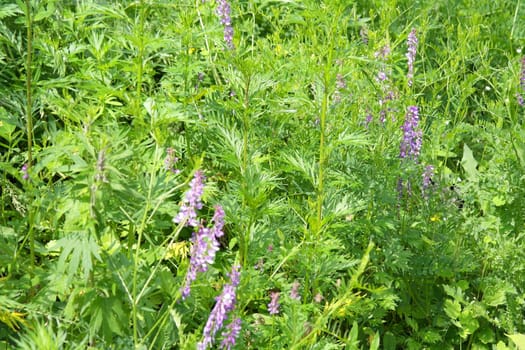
139, 65
29, 102
322, 138
245, 138
29, 117
140, 232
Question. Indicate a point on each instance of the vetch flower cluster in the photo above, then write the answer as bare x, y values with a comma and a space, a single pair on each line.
232, 333
25, 172
204, 247
192, 201
170, 161
225, 303
387, 92
339, 84
294, 293
273, 306
412, 135
411, 54
427, 180
223, 11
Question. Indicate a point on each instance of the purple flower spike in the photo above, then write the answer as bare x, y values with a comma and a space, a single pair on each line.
25, 172
224, 305
273, 306
231, 335
218, 221
192, 201
294, 293
203, 250
411, 143
411, 54
223, 11
427, 180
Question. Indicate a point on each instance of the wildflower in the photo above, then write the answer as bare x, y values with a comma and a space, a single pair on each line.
204, 247
229, 337
294, 293
218, 221
411, 54
340, 82
318, 298
273, 305
364, 35
192, 201
25, 171
381, 76
383, 53
223, 11
427, 176
170, 161
225, 303
368, 119
411, 143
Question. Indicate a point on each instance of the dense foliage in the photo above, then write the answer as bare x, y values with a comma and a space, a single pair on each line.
343, 174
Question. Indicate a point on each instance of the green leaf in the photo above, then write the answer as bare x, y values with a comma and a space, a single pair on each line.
452, 308
518, 339
468, 162
9, 10
79, 248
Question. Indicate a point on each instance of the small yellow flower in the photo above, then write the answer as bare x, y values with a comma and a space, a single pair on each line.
435, 218
177, 250
191, 51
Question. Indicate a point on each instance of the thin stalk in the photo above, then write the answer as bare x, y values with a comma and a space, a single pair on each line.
140, 231
29, 118
139, 64
246, 124
29, 104
322, 139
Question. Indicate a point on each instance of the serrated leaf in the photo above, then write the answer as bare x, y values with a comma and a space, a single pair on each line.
452, 308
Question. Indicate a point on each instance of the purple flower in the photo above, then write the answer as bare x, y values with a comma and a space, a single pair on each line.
294, 293
25, 171
368, 119
273, 306
427, 180
223, 11
411, 143
192, 201
520, 99
340, 81
381, 76
427, 176
383, 53
225, 303
411, 54
204, 248
232, 333
218, 221
170, 161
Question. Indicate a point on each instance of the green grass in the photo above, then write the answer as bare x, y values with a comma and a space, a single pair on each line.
299, 140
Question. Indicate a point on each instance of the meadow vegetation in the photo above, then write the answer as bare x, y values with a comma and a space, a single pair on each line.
253, 174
